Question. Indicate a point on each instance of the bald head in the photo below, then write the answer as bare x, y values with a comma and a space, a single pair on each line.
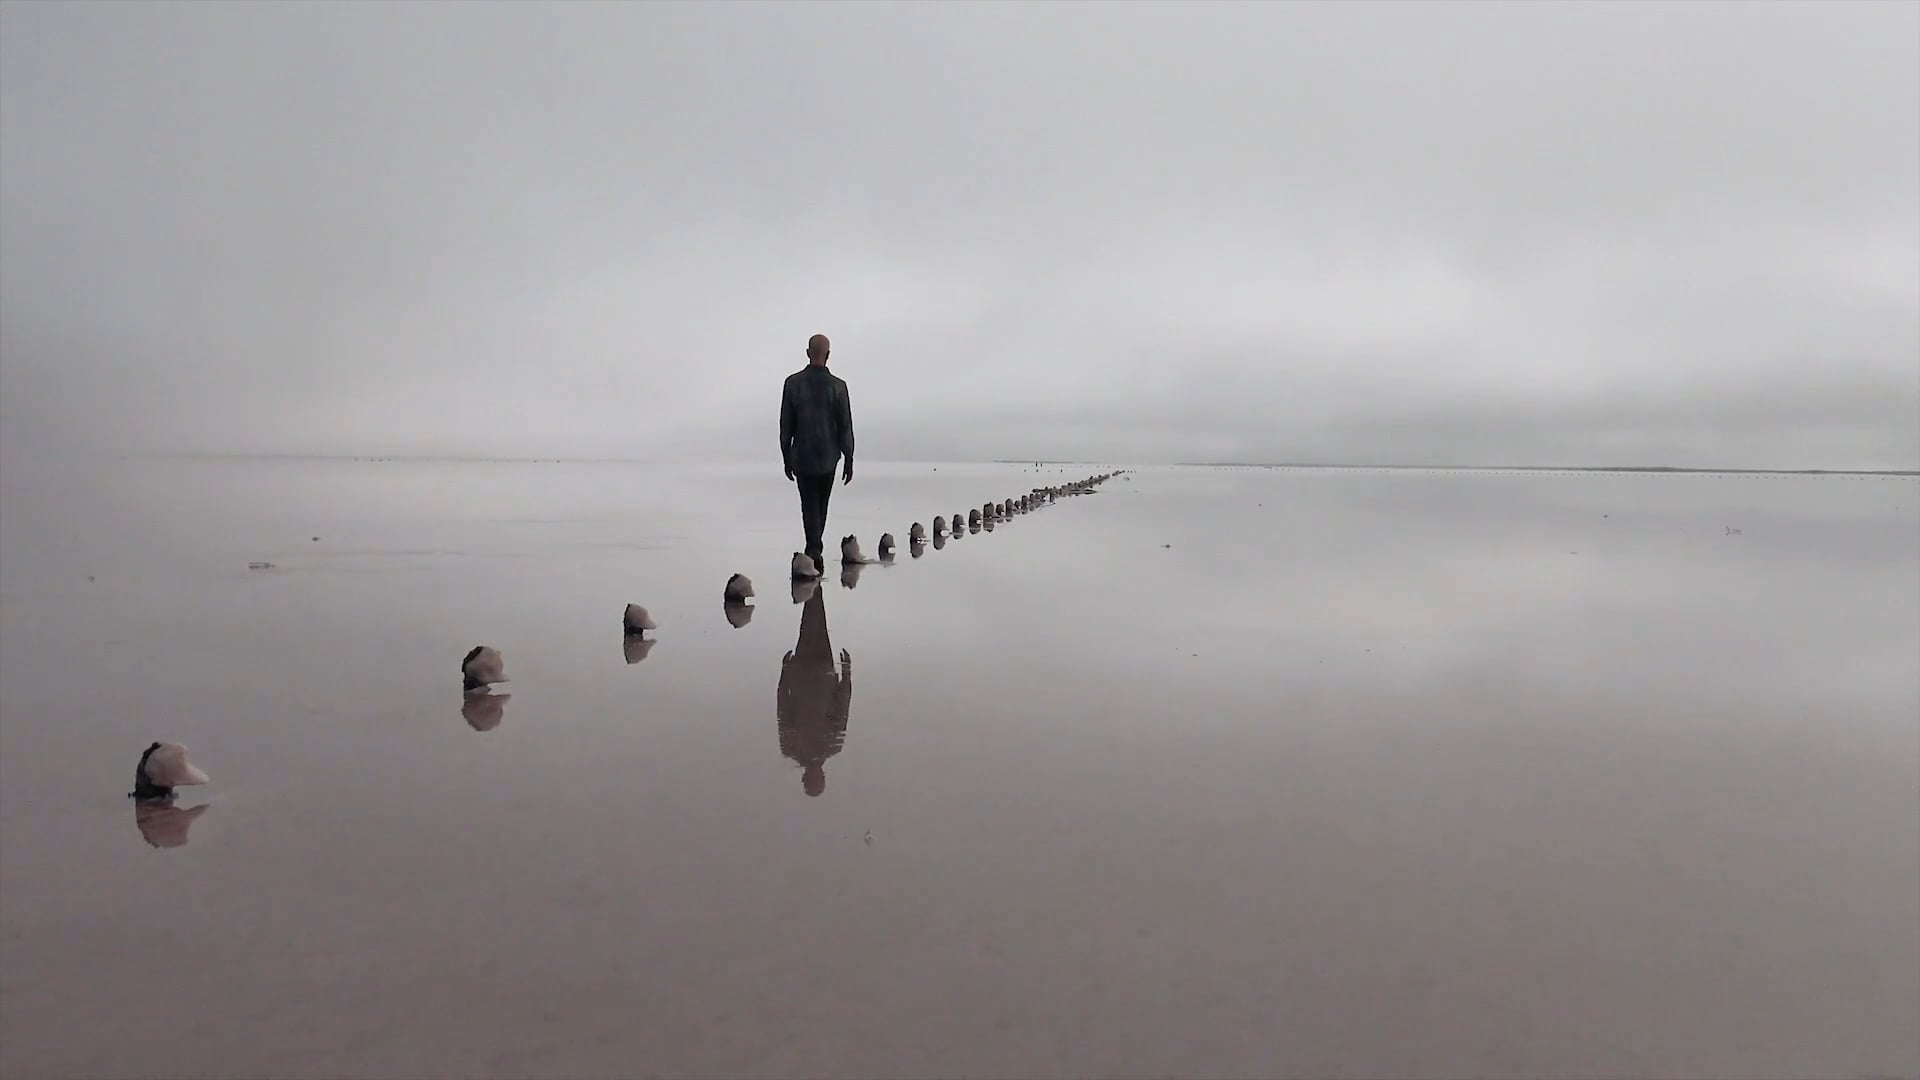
817, 349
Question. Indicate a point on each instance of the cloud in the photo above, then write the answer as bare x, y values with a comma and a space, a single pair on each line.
1675, 234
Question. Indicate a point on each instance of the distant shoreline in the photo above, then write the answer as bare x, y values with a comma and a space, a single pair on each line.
1545, 468
1672, 470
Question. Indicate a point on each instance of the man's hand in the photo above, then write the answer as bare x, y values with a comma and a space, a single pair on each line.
789, 467
846, 474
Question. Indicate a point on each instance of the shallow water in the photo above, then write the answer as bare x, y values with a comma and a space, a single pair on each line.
1226, 772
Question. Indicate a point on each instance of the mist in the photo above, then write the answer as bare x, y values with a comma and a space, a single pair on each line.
1680, 234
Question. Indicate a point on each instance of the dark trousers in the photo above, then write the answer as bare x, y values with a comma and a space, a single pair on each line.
814, 493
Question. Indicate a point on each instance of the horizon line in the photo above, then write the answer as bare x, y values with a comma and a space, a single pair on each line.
1299, 465
1544, 468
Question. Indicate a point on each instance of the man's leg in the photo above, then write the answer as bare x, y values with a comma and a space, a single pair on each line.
826, 496
813, 512
804, 484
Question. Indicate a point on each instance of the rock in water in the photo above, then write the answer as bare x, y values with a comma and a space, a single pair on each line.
484, 666
637, 620
163, 767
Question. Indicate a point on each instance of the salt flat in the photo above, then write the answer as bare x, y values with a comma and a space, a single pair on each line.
1218, 772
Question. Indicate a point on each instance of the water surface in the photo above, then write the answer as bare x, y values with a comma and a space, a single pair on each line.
1221, 772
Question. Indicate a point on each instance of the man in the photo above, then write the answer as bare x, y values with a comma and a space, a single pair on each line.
816, 431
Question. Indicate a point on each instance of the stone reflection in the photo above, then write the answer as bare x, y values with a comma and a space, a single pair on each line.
814, 697
635, 648
483, 710
164, 825
739, 613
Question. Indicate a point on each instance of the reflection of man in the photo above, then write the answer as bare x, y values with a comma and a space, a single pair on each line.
814, 697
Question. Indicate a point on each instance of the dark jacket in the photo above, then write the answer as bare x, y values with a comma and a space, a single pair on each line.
816, 421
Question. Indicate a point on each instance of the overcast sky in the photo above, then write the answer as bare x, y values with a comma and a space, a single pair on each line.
1683, 233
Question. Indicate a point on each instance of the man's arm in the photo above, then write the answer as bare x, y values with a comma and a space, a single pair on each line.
786, 428
845, 425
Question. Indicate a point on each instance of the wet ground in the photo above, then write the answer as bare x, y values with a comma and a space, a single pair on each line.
1222, 772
